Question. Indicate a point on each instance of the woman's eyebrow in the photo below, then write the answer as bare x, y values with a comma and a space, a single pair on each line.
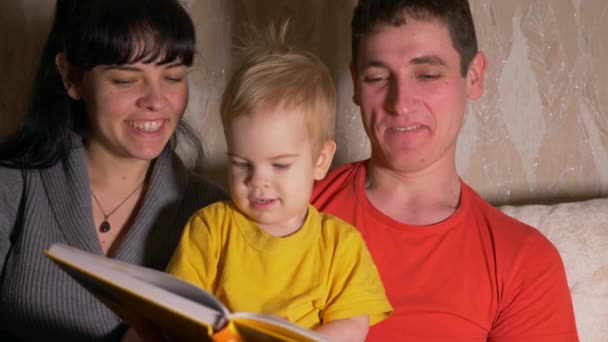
121, 67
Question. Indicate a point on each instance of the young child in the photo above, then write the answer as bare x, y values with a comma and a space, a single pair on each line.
268, 250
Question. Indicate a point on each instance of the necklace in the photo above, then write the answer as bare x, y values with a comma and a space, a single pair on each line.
104, 227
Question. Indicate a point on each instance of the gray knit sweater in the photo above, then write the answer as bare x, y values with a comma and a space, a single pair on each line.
38, 301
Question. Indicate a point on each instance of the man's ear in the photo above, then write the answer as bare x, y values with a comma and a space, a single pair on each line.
354, 76
326, 155
71, 81
475, 75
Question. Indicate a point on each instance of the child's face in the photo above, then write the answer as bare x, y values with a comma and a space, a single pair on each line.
272, 167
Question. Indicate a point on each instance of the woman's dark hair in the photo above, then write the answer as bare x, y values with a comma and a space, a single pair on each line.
92, 33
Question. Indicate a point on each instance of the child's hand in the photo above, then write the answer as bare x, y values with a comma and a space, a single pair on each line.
144, 331
352, 329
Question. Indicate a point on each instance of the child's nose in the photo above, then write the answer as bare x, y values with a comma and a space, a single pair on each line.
258, 178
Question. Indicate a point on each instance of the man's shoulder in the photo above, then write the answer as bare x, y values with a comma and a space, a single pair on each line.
531, 273
338, 180
494, 217
507, 231
345, 171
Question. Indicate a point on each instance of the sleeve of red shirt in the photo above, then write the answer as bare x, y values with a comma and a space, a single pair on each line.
535, 303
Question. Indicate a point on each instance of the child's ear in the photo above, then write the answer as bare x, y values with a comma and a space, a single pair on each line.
71, 82
326, 155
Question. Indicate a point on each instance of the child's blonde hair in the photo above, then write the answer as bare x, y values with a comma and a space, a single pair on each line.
275, 73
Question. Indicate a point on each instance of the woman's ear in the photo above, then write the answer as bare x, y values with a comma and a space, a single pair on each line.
326, 155
71, 82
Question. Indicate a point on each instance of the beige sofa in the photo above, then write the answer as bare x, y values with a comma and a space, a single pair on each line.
579, 230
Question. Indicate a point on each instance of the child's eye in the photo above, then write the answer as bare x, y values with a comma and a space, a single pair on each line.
281, 166
239, 164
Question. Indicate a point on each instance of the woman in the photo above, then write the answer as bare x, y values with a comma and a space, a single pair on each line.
93, 165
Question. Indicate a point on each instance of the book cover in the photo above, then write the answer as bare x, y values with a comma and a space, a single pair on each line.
182, 309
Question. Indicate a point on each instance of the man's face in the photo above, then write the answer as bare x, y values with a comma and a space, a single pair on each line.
412, 95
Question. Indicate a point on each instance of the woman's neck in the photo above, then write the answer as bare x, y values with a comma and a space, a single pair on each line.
108, 171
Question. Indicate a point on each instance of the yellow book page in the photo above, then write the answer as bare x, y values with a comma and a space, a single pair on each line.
252, 327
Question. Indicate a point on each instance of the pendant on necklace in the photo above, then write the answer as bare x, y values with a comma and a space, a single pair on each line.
104, 227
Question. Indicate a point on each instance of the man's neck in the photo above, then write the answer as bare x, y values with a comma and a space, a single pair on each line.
417, 198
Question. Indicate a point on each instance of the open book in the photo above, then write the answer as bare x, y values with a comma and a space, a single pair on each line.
182, 309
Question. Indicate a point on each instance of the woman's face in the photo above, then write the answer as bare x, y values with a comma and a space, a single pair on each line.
133, 109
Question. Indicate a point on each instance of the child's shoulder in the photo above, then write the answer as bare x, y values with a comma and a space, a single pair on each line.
335, 227
217, 206
216, 209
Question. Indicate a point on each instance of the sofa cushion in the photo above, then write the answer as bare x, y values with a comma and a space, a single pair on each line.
579, 230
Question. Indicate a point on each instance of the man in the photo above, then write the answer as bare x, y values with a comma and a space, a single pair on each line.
454, 267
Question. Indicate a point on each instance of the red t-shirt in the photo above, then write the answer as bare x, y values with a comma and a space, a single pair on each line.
479, 275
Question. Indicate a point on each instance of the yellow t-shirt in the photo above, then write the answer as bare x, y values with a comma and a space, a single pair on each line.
323, 272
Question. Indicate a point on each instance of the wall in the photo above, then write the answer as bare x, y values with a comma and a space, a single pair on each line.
539, 133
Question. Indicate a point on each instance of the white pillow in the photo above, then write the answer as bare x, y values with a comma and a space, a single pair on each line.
579, 231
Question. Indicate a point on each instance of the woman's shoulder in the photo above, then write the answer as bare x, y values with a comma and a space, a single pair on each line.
195, 183
11, 190
10, 179
207, 186
170, 167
